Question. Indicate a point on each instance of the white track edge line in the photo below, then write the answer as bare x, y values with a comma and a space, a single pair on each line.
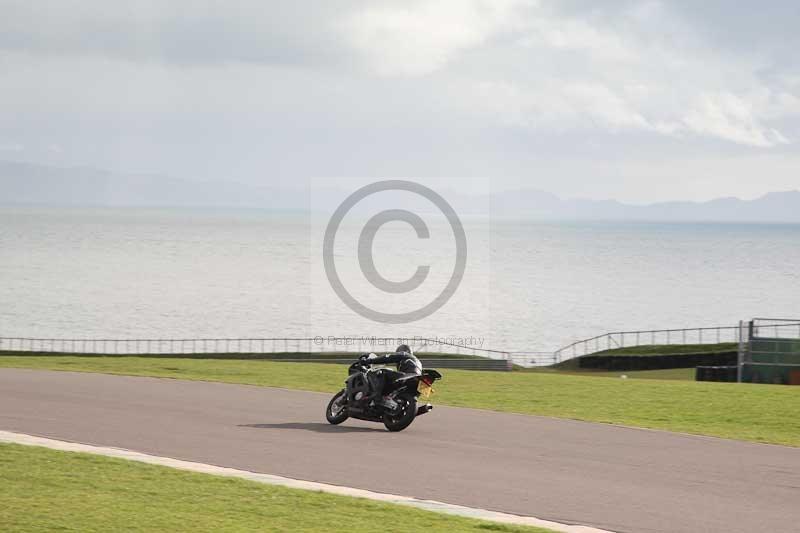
269, 479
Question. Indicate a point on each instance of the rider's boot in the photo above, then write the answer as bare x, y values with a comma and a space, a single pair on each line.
388, 403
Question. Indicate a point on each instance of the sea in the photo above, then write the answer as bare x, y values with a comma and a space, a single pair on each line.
525, 285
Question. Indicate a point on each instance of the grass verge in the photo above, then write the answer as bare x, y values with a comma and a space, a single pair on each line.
271, 356
683, 374
49, 490
759, 413
670, 349
635, 358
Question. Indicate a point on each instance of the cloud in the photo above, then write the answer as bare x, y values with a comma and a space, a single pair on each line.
631, 66
733, 118
560, 105
276, 91
11, 147
628, 72
180, 32
419, 37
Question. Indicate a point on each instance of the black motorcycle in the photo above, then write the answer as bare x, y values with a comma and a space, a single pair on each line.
397, 404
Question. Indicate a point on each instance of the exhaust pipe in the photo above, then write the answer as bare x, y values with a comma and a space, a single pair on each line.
422, 409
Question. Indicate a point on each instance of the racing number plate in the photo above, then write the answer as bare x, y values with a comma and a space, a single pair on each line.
424, 389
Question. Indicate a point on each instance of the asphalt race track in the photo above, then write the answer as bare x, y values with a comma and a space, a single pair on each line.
621, 479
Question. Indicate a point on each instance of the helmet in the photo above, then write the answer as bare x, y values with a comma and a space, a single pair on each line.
404, 348
410, 365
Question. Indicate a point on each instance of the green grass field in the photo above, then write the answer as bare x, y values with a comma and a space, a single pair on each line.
48, 490
244, 356
683, 374
759, 413
664, 349
573, 364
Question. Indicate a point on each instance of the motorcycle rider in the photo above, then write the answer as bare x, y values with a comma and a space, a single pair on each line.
406, 361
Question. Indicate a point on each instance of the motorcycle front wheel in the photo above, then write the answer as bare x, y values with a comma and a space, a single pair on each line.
336, 412
402, 420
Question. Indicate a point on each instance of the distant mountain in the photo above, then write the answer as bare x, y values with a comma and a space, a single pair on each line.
772, 207
30, 184
24, 183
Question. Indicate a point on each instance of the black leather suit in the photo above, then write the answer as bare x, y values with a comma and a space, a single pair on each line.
379, 378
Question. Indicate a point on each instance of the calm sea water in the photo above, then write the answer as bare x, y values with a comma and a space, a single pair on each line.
130, 273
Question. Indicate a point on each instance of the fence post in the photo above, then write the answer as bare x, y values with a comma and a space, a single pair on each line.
741, 353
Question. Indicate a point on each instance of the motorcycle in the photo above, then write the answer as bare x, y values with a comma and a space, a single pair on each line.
398, 406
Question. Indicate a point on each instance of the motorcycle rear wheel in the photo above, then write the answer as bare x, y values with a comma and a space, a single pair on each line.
404, 419
333, 416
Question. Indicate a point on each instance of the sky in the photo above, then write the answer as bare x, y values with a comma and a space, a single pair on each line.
640, 101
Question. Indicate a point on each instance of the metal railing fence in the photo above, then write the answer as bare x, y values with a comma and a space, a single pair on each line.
353, 344
775, 328
531, 359
273, 345
623, 339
